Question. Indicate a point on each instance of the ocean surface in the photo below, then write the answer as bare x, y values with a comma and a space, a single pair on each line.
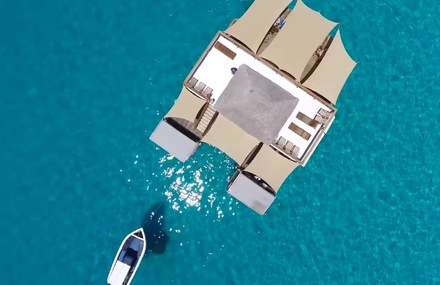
82, 86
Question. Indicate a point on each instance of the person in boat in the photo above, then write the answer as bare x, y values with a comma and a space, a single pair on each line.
319, 51
279, 24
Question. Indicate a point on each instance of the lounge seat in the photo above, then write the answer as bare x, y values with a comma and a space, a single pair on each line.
320, 119
323, 113
200, 86
295, 151
281, 142
192, 82
289, 146
207, 91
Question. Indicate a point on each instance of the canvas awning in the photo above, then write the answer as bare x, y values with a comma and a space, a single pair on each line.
252, 27
294, 45
271, 166
330, 75
230, 138
186, 106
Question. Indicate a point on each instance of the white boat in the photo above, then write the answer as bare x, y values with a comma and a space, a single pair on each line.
128, 258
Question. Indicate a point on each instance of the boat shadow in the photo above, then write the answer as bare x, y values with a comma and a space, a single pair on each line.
153, 225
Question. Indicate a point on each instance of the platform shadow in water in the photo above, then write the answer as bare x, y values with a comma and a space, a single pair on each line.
153, 225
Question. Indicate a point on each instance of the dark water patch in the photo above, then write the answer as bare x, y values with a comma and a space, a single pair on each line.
153, 225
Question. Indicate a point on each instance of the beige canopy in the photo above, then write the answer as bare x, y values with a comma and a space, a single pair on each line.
186, 106
252, 27
330, 75
231, 139
294, 45
271, 166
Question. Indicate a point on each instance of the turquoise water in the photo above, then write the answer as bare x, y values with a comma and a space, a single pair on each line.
84, 83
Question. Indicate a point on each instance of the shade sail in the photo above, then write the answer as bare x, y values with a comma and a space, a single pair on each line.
271, 166
252, 27
294, 45
186, 106
256, 104
230, 138
330, 75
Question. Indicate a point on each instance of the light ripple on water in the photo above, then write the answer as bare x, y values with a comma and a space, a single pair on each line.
84, 83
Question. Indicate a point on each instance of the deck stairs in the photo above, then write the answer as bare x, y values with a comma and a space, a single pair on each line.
206, 119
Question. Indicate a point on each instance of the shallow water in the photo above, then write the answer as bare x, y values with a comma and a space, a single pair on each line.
84, 83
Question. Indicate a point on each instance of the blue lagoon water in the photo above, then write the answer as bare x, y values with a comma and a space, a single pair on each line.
84, 83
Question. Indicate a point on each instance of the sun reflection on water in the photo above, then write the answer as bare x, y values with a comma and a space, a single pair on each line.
184, 194
193, 187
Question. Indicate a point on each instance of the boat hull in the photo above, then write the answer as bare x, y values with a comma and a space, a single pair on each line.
128, 258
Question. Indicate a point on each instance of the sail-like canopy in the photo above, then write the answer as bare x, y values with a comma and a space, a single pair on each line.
230, 138
271, 166
330, 75
186, 106
294, 45
252, 27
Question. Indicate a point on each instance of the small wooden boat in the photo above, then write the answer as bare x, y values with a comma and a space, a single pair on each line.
128, 258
